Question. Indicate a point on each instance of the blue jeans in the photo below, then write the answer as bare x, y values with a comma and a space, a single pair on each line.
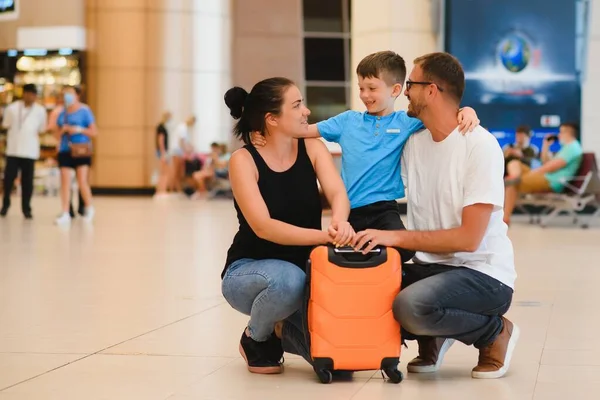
267, 290
451, 302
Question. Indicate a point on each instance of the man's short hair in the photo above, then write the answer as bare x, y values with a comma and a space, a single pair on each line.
385, 65
444, 70
524, 129
573, 126
30, 88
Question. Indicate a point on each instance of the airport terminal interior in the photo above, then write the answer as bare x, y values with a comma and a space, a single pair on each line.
123, 299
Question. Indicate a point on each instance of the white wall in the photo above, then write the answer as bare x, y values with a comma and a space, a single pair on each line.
590, 99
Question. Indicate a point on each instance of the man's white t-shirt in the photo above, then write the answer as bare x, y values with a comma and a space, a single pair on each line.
444, 177
24, 127
180, 133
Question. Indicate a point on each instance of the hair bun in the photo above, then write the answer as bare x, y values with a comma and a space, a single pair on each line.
235, 99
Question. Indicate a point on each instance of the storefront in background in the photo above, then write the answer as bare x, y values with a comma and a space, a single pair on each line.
50, 71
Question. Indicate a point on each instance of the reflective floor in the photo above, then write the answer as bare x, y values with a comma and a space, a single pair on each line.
130, 308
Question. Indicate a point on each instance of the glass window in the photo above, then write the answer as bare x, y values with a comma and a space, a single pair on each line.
324, 59
325, 102
322, 15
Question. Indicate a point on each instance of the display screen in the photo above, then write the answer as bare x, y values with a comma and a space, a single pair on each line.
521, 61
7, 6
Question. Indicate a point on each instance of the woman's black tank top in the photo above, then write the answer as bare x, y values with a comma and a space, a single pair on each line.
291, 196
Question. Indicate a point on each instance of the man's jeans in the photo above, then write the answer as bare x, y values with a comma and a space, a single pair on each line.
451, 302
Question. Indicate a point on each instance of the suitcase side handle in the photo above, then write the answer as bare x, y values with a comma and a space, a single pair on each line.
347, 257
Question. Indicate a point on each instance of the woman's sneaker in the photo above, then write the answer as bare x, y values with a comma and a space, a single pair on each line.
63, 219
262, 357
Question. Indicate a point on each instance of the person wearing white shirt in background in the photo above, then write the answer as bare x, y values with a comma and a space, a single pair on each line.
461, 283
179, 145
25, 120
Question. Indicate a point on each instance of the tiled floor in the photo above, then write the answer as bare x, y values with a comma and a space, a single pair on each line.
130, 308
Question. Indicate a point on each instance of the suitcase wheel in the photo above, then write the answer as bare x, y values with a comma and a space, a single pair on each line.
394, 375
324, 375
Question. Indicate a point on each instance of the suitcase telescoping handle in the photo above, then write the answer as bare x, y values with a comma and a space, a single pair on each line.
349, 258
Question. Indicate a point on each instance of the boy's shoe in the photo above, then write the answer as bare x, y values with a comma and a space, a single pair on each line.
262, 357
494, 359
431, 355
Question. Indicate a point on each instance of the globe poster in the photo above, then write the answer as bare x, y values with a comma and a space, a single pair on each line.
521, 62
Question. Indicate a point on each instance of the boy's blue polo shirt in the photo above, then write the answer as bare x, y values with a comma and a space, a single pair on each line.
371, 149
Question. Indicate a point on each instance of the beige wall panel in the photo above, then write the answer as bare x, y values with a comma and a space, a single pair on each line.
121, 4
120, 40
119, 172
265, 57
121, 142
120, 98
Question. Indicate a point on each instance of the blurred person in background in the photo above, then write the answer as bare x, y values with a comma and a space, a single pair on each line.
179, 146
162, 153
25, 120
216, 166
52, 127
76, 125
521, 150
551, 175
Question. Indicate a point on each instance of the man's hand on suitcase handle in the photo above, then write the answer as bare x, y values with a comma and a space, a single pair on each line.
366, 240
341, 233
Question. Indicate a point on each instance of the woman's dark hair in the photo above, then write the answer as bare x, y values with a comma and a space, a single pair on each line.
266, 97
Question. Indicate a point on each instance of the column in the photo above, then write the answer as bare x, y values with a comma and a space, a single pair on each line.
406, 27
115, 91
211, 71
590, 98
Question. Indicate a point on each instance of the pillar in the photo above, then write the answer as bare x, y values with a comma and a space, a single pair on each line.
406, 27
590, 98
146, 57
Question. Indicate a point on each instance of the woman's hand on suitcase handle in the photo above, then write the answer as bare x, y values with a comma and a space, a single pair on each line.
341, 233
367, 240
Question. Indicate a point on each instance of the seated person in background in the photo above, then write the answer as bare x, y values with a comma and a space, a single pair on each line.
216, 166
279, 211
553, 173
520, 150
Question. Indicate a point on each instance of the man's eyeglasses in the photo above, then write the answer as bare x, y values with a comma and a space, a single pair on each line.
410, 83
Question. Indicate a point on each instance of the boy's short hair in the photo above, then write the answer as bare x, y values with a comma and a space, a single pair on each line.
385, 65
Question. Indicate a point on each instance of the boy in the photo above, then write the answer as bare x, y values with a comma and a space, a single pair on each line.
372, 143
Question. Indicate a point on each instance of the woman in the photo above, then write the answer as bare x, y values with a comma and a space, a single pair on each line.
279, 211
162, 150
76, 126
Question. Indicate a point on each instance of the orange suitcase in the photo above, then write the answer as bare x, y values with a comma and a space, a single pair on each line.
350, 322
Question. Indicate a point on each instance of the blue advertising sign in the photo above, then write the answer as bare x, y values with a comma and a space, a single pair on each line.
520, 60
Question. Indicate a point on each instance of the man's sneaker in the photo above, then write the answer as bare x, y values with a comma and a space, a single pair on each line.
3, 212
261, 357
63, 219
431, 355
494, 359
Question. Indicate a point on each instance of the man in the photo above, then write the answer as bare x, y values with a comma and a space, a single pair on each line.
180, 145
461, 282
25, 120
521, 150
553, 173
